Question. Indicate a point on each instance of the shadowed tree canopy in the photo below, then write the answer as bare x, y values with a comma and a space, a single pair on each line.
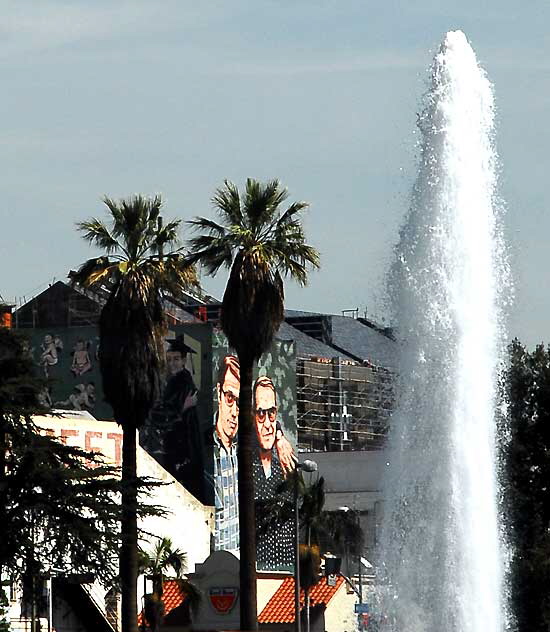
526, 488
58, 504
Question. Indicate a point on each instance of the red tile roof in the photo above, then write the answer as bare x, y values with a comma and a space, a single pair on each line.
280, 608
172, 597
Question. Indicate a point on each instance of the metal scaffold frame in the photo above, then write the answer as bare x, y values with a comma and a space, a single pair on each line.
342, 404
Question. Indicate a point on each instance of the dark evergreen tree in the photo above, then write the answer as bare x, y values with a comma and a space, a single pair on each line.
58, 504
4, 623
526, 490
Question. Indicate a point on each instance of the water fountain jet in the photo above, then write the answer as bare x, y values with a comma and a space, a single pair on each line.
439, 548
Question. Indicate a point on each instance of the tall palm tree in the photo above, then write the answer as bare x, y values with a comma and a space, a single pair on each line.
260, 244
141, 261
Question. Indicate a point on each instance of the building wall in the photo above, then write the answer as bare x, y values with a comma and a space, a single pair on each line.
188, 523
340, 615
354, 480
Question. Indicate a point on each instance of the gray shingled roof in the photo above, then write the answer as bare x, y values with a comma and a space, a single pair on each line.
355, 339
360, 340
307, 346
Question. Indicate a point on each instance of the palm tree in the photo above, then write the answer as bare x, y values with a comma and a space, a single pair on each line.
260, 244
134, 270
161, 563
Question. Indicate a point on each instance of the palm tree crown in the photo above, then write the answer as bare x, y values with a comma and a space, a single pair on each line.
142, 261
260, 243
162, 558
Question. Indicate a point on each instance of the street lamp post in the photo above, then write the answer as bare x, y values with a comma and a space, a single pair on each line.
306, 466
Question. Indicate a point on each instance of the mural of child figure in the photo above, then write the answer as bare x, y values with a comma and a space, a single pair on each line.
81, 358
51, 347
82, 399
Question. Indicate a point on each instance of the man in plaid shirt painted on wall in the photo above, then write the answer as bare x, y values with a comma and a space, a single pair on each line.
225, 455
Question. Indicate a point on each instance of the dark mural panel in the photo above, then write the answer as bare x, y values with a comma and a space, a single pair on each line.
176, 433
68, 358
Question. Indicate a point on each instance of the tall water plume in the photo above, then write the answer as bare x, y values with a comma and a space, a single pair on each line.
440, 536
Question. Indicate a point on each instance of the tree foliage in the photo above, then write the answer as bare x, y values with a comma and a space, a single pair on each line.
260, 243
162, 562
58, 503
526, 490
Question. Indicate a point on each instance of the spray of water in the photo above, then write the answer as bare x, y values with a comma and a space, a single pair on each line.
440, 536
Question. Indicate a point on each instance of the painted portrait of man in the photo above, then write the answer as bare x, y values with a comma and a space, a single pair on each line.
225, 442
226, 425
274, 545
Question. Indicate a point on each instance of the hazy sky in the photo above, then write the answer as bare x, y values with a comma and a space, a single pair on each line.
172, 97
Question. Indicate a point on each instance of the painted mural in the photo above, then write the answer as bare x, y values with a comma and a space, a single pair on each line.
274, 410
193, 427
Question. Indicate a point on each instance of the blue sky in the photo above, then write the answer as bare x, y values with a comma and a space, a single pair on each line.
173, 97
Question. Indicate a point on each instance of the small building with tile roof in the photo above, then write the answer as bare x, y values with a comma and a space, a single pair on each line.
331, 607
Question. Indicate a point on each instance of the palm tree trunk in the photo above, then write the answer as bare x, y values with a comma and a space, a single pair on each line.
247, 521
128, 550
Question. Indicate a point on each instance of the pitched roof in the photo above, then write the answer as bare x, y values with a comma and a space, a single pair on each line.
280, 608
172, 597
307, 345
363, 341
356, 338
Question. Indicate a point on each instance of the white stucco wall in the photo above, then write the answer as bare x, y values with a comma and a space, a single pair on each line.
340, 615
188, 522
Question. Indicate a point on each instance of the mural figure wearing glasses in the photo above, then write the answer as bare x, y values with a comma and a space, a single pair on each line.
274, 546
226, 424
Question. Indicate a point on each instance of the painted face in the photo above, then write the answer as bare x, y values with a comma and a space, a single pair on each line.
228, 407
265, 415
48, 339
175, 361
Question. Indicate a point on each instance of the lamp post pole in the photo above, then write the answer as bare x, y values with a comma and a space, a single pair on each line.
297, 626
306, 466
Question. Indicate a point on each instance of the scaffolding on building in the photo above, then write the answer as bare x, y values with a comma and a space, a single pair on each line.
342, 405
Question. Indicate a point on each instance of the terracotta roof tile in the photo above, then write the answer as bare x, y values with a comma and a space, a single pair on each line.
172, 597
280, 608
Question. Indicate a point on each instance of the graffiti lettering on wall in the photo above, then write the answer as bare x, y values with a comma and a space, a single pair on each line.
102, 437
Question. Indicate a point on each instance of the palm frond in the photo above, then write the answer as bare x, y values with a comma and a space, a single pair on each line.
261, 202
99, 235
227, 202
259, 243
94, 271
291, 211
211, 251
208, 226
